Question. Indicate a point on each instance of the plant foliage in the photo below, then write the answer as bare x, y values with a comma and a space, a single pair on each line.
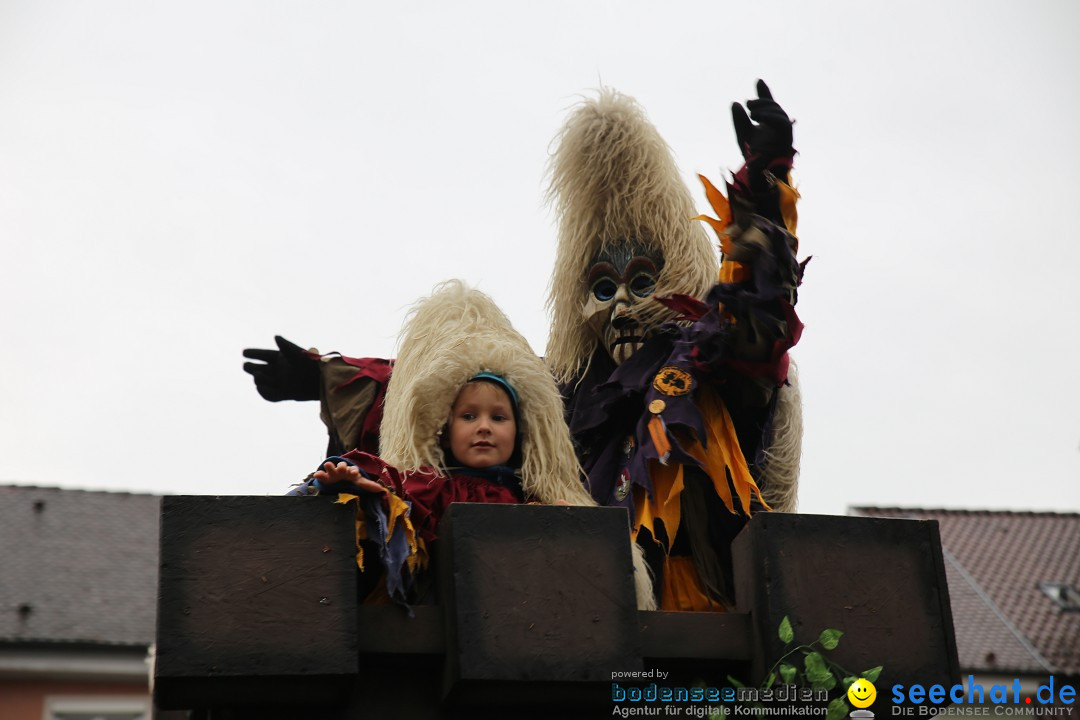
816, 670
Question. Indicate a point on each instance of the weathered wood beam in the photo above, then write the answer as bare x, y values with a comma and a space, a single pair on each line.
258, 613
880, 581
257, 601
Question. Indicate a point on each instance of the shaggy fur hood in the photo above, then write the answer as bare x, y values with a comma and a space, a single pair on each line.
613, 180
448, 338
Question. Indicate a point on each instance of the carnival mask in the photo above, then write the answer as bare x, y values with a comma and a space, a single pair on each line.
620, 279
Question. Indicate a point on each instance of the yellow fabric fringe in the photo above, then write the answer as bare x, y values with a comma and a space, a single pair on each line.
722, 457
398, 512
720, 206
361, 526
664, 504
732, 271
659, 437
789, 196
683, 590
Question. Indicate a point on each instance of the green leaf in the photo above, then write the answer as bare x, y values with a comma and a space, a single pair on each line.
816, 671
770, 680
827, 683
736, 684
786, 633
830, 638
787, 672
838, 709
873, 673
849, 680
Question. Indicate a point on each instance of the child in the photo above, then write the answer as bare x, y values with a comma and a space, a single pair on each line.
471, 415
481, 442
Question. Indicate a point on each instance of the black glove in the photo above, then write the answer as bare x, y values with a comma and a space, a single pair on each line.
765, 146
288, 373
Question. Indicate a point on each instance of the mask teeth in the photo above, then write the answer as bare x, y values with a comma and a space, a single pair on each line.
622, 351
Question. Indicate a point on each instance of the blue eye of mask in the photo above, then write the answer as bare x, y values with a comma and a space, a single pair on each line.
604, 289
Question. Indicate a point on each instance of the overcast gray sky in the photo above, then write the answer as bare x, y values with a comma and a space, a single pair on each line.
181, 180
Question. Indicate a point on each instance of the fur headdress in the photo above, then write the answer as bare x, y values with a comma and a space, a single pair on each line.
779, 480
614, 181
448, 338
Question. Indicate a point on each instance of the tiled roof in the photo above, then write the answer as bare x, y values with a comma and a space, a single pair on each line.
77, 567
994, 562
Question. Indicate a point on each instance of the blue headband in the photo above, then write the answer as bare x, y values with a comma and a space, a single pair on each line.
501, 382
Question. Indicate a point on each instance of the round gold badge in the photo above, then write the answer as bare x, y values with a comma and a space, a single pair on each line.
673, 381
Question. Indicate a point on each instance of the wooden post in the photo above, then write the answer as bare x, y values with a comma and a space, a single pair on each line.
880, 581
539, 602
257, 602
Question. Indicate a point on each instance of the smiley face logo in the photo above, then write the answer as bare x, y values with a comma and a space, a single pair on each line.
862, 693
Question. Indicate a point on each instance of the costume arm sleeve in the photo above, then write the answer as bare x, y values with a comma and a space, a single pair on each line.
351, 399
748, 321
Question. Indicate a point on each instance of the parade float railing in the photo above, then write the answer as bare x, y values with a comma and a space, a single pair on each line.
258, 615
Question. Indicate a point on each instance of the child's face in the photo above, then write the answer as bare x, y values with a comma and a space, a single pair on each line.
482, 425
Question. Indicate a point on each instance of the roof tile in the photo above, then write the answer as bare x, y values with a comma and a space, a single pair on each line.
78, 566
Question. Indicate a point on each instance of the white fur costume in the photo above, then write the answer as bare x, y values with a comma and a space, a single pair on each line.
613, 179
448, 338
